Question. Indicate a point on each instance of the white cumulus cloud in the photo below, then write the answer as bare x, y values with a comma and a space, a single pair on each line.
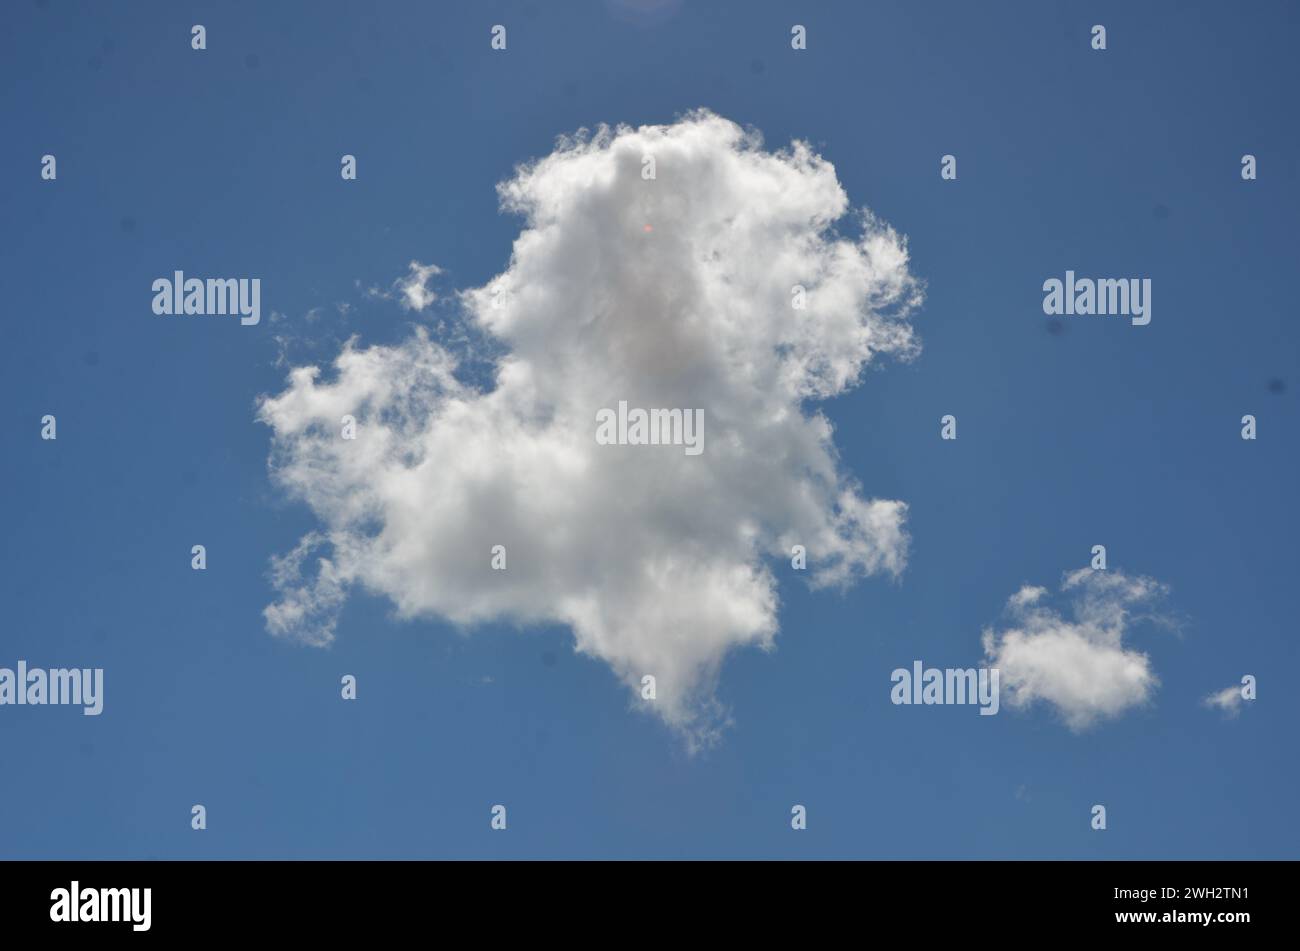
413, 290
670, 292
1080, 664
1228, 700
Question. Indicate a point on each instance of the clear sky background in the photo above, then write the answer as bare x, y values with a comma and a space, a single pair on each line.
226, 163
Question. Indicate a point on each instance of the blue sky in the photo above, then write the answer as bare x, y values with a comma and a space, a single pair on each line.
226, 162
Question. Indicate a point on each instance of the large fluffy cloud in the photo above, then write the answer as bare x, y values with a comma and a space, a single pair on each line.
1079, 665
666, 292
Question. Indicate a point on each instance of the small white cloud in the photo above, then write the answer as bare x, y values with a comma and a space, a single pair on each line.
1228, 700
307, 610
1029, 594
281, 348
413, 291
1079, 665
